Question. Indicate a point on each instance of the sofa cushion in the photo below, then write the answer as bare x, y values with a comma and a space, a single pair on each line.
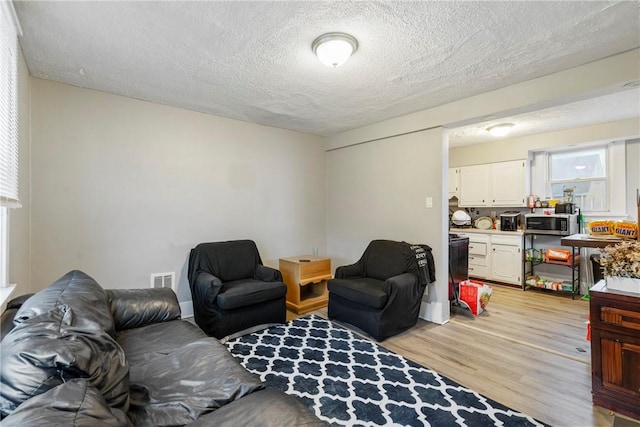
55, 346
133, 308
78, 291
242, 293
366, 291
74, 403
156, 340
265, 408
178, 387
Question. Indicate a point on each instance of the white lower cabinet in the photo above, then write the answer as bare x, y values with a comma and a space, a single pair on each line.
495, 257
478, 255
506, 259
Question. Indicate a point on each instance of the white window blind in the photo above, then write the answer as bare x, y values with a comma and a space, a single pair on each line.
8, 107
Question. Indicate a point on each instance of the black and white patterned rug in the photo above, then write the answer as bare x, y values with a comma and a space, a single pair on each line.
347, 380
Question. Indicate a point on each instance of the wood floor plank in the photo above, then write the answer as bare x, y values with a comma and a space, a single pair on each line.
528, 351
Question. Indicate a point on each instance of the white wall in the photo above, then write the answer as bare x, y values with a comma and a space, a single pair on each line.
19, 227
124, 188
378, 190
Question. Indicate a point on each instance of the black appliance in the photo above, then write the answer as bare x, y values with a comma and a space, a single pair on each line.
458, 262
557, 224
510, 221
565, 208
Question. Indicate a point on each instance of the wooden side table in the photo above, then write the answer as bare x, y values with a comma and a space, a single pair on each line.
306, 282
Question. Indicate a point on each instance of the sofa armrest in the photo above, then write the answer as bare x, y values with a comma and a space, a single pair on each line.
401, 281
403, 284
352, 271
205, 289
6, 320
267, 274
134, 308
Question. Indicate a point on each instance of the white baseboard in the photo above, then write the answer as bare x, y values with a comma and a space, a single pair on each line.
186, 308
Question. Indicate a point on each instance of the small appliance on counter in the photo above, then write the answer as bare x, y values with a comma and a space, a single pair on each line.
510, 221
565, 208
461, 218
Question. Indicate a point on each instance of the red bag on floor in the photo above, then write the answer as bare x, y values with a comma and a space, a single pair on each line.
475, 294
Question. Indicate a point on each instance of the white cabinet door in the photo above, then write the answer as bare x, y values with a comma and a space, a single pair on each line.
506, 263
474, 186
508, 183
454, 182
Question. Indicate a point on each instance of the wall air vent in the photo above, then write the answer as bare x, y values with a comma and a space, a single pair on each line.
163, 280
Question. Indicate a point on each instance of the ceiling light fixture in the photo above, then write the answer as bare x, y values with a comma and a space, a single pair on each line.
501, 129
334, 49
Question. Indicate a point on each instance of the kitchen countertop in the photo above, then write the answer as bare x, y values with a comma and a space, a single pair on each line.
477, 230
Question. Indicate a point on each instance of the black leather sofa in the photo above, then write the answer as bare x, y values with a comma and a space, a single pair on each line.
381, 293
80, 355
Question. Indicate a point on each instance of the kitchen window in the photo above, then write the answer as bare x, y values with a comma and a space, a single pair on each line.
583, 174
594, 174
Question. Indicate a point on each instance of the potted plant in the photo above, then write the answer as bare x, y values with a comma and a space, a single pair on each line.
621, 264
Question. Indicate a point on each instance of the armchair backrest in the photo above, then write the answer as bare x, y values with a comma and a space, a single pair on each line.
231, 260
386, 258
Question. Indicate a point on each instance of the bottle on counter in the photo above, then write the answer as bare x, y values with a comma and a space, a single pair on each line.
531, 202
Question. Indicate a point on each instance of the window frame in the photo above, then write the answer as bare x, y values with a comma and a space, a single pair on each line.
9, 140
616, 167
605, 178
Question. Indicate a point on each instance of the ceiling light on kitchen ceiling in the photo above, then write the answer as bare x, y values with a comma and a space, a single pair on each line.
501, 129
334, 49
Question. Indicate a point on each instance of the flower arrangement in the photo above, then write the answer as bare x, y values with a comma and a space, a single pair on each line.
622, 259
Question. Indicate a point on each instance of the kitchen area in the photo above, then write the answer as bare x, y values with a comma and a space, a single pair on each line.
515, 238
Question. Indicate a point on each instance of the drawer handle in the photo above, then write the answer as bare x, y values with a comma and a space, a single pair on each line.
317, 279
471, 268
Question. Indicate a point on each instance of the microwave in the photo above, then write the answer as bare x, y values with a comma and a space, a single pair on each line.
557, 224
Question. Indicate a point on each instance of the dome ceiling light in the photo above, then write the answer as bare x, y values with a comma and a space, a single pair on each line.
501, 129
334, 49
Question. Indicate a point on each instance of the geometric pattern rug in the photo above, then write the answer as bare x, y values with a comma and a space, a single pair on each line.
347, 380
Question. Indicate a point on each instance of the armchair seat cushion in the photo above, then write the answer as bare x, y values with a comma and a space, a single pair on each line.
365, 290
246, 292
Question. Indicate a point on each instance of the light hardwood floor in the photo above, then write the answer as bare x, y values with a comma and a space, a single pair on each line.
527, 351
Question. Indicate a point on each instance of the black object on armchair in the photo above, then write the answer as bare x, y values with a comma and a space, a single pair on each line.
232, 290
382, 292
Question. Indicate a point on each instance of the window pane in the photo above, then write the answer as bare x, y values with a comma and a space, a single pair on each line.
587, 195
589, 163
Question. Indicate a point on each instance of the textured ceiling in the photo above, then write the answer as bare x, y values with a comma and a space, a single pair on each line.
253, 61
616, 106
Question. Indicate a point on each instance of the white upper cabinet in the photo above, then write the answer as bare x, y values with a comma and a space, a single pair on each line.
454, 182
474, 186
508, 183
501, 184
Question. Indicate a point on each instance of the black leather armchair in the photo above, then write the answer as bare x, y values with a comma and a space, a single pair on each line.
232, 290
382, 292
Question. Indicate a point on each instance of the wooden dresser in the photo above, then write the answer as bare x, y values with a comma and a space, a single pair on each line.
615, 350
